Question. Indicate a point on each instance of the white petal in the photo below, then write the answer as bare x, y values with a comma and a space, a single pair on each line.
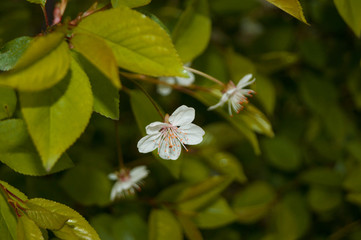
172, 153
154, 127
116, 190
224, 99
193, 134
182, 115
245, 81
163, 89
138, 173
186, 81
112, 176
148, 143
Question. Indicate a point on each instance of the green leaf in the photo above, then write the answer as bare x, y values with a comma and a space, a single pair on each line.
354, 198
323, 199
76, 228
96, 51
106, 95
238, 65
322, 176
12, 51
256, 120
253, 202
27, 229
138, 43
215, 215
349, 11
7, 220
200, 194
41, 2
87, 185
18, 152
163, 226
352, 181
266, 93
193, 169
43, 217
193, 30
226, 164
292, 7
14, 191
130, 3
56, 117
7, 102
282, 153
189, 228
44, 63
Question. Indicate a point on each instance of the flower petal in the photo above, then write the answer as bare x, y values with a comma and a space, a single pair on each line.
163, 89
224, 99
182, 116
148, 143
171, 153
154, 127
112, 176
193, 134
138, 173
245, 81
186, 81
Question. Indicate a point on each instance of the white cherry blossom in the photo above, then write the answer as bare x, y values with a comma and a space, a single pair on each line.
169, 136
165, 90
127, 181
236, 95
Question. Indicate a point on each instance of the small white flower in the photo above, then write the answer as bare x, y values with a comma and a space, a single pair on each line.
127, 181
165, 90
169, 136
236, 95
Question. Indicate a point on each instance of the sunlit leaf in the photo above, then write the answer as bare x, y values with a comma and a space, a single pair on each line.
56, 117
96, 51
215, 215
106, 95
130, 3
7, 102
12, 51
44, 63
163, 226
193, 30
76, 227
18, 152
349, 11
138, 43
7, 220
14, 190
253, 202
292, 7
28, 230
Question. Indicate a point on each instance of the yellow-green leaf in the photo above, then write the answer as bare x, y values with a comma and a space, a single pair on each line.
138, 43
96, 51
7, 220
28, 230
350, 12
189, 228
292, 7
75, 228
130, 3
57, 116
41, 2
12, 51
7, 102
44, 63
14, 191
163, 226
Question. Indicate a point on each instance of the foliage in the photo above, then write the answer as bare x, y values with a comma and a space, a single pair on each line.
285, 167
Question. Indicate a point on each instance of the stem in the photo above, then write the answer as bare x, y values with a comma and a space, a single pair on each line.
45, 16
119, 149
150, 99
204, 75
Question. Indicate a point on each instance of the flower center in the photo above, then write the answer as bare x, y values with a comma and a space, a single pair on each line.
172, 137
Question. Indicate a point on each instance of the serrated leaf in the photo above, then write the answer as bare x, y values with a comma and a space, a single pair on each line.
57, 116
28, 230
163, 226
215, 215
106, 95
193, 30
7, 220
43, 217
76, 228
292, 7
14, 191
200, 194
18, 152
12, 51
349, 11
8, 102
129, 3
253, 202
41, 2
96, 51
44, 63
138, 43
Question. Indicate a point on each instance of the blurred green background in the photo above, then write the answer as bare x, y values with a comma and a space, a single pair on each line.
305, 184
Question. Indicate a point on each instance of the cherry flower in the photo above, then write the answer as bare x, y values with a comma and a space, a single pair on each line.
236, 95
127, 181
169, 136
165, 90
